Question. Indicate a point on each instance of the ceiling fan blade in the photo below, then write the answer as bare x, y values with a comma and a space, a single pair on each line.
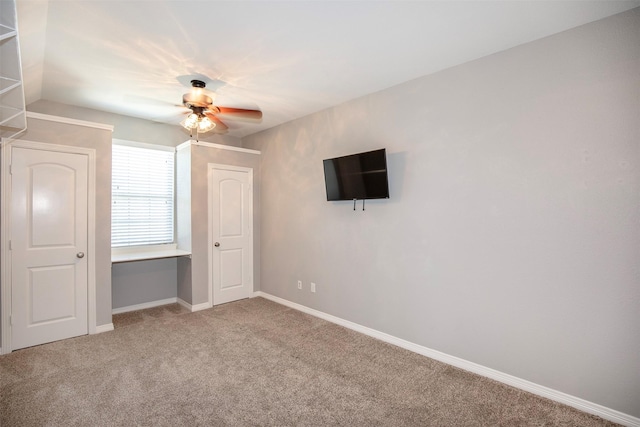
240, 112
220, 127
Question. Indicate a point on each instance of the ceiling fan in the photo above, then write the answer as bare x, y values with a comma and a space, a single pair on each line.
203, 115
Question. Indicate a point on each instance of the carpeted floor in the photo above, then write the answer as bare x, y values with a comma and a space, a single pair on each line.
252, 363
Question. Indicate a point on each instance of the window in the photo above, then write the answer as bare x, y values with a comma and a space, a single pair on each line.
142, 195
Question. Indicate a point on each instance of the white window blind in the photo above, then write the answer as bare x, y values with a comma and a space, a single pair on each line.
142, 196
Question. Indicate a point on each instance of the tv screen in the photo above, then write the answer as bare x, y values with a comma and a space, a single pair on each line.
358, 176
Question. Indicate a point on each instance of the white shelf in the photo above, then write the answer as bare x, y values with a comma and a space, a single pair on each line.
6, 32
146, 255
7, 84
7, 114
13, 119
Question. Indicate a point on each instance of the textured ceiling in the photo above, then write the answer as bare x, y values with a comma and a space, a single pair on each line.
288, 59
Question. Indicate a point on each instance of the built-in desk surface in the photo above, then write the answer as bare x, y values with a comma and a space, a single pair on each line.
145, 255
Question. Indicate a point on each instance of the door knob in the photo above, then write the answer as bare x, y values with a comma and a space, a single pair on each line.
216, 244
80, 254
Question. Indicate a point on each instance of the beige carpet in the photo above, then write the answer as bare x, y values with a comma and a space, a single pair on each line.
252, 363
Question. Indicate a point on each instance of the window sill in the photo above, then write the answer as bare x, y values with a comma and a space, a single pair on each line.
143, 253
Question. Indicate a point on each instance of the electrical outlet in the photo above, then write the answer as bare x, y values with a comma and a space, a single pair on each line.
299, 284
313, 287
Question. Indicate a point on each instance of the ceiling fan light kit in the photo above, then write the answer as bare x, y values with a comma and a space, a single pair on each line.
198, 121
205, 125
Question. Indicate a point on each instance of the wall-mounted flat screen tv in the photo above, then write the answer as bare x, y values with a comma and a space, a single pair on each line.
358, 176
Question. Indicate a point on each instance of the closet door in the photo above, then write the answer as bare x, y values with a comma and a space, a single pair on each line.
231, 222
49, 250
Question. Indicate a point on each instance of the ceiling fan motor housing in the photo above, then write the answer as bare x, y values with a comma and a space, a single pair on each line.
191, 100
196, 98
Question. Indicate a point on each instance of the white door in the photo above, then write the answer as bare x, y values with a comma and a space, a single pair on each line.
49, 226
231, 215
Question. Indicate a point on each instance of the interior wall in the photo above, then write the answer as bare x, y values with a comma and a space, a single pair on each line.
100, 140
136, 283
183, 221
143, 281
512, 235
194, 289
130, 128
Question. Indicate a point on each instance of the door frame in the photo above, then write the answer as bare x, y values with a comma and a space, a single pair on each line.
5, 227
210, 169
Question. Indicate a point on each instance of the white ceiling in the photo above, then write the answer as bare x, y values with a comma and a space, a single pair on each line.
288, 58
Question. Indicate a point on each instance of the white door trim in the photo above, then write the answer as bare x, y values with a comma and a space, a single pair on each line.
210, 168
5, 221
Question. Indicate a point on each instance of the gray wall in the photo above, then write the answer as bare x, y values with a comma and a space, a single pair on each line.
100, 140
137, 283
129, 128
143, 281
183, 221
193, 284
512, 235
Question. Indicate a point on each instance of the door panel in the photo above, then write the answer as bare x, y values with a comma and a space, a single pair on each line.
49, 220
52, 205
231, 222
230, 208
51, 294
230, 268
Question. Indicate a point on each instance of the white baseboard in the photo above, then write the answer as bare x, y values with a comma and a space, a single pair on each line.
558, 396
196, 307
104, 328
144, 305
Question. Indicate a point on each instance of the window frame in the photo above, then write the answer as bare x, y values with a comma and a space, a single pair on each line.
150, 250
